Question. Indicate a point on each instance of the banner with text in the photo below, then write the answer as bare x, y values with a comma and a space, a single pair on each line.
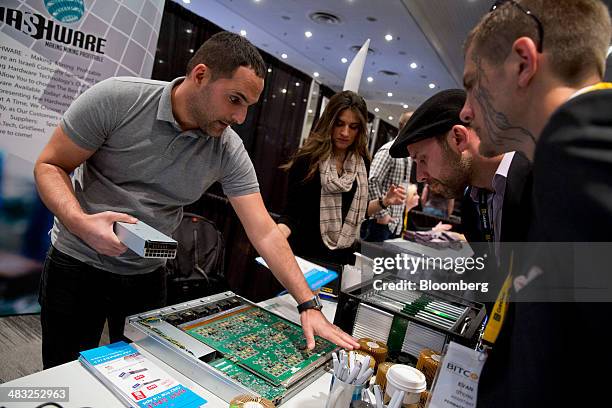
50, 52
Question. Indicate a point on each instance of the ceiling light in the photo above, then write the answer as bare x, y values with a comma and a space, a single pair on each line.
405, 106
297, 84
284, 56
413, 65
389, 94
188, 31
376, 110
283, 90
344, 60
243, 33
309, 110
316, 74
191, 50
388, 37
370, 79
269, 69
390, 117
432, 85
308, 34
160, 61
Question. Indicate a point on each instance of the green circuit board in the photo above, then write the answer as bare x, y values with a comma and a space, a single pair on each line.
249, 380
261, 342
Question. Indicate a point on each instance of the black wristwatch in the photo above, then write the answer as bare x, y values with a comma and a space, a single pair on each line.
381, 202
314, 303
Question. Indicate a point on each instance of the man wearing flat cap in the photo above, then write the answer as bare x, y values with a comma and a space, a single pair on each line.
496, 205
445, 152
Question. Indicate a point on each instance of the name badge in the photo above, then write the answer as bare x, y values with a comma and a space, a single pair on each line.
457, 382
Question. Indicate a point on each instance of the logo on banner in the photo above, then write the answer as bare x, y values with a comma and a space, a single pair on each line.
56, 35
65, 11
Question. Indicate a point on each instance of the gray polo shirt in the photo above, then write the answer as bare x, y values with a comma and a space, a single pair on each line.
144, 164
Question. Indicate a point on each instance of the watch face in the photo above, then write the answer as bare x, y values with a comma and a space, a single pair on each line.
313, 303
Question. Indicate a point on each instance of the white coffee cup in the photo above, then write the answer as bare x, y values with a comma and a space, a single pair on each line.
408, 379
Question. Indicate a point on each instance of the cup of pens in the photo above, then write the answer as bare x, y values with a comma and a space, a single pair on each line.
350, 377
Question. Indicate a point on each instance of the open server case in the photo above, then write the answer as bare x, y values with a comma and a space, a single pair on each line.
230, 346
408, 321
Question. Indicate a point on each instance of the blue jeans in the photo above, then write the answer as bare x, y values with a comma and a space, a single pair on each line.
372, 231
76, 299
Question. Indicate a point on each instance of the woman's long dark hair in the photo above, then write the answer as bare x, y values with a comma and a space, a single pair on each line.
319, 145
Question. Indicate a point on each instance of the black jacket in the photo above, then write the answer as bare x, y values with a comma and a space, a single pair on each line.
572, 203
516, 212
516, 222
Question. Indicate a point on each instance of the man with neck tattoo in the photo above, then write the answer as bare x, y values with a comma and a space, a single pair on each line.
533, 75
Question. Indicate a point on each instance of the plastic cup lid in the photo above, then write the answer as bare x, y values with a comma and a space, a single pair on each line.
406, 378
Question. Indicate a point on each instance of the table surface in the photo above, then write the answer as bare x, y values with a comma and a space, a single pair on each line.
86, 391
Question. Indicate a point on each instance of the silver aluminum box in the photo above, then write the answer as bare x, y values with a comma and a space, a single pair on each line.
145, 240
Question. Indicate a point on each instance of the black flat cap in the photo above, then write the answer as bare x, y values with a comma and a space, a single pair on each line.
434, 117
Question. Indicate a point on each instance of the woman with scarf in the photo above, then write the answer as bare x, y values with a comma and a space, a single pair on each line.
328, 184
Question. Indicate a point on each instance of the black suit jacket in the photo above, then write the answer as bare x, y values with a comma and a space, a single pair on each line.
572, 203
515, 224
517, 207
573, 172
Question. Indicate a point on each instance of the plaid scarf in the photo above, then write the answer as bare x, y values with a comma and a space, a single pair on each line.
334, 232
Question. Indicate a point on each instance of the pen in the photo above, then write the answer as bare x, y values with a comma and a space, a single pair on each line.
393, 400
341, 373
335, 363
365, 364
364, 377
354, 372
378, 396
397, 399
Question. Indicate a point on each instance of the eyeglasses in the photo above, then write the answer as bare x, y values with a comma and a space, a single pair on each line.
498, 3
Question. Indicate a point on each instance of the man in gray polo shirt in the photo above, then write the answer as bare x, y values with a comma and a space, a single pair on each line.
141, 150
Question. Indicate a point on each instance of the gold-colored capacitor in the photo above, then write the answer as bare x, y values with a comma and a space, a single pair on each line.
381, 375
423, 400
428, 364
248, 401
376, 349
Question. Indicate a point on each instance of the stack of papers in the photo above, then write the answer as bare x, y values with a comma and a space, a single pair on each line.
316, 276
135, 380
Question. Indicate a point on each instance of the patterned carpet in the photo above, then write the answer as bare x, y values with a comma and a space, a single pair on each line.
20, 346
